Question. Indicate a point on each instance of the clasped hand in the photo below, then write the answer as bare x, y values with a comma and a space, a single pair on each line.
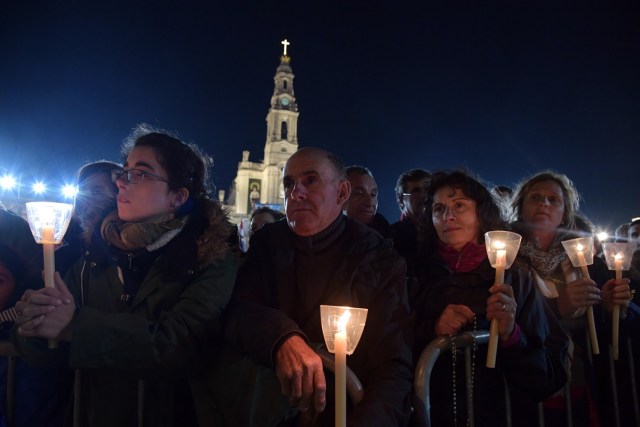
501, 305
46, 312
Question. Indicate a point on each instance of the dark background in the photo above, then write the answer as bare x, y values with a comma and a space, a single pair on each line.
505, 89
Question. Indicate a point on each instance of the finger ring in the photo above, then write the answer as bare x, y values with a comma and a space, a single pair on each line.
504, 307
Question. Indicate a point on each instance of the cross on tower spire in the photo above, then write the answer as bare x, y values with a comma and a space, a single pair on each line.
285, 43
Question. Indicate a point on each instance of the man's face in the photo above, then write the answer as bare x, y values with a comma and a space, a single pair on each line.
414, 198
363, 201
313, 195
634, 234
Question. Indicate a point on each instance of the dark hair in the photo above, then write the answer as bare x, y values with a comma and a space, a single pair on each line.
634, 222
186, 165
265, 209
569, 193
410, 175
357, 169
93, 168
487, 207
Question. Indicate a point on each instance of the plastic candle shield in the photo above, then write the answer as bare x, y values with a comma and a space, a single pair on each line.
580, 251
502, 245
48, 221
348, 320
618, 255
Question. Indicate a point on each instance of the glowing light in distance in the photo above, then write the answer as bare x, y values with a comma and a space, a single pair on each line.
603, 235
38, 187
69, 191
7, 182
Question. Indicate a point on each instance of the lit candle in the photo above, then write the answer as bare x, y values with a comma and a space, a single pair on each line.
501, 264
615, 332
340, 349
48, 249
590, 320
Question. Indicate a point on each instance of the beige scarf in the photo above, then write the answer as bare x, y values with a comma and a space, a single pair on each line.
151, 234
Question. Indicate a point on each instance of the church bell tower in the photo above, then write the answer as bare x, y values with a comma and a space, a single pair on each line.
258, 184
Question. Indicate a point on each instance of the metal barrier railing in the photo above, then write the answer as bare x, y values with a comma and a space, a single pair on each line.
438, 346
428, 359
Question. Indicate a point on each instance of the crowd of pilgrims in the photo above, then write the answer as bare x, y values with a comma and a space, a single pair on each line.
160, 320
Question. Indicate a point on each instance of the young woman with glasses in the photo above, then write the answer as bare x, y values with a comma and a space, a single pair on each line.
139, 315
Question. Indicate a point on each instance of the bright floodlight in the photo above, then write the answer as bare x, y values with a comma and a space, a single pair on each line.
38, 187
602, 236
69, 191
7, 182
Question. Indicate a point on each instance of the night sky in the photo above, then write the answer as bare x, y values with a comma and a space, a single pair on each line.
505, 89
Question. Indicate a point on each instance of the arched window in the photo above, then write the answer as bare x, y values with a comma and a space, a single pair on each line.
283, 130
284, 84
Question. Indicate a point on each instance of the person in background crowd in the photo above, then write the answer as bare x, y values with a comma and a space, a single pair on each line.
411, 193
95, 199
621, 233
545, 212
319, 256
139, 316
456, 293
262, 216
362, 204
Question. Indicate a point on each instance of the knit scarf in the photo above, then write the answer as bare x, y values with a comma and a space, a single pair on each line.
151, 234
545, 263
465, 260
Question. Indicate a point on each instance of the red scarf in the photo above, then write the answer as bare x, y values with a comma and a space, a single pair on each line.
465, 260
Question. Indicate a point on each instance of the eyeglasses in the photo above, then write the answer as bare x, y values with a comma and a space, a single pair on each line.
135, 176
460, 206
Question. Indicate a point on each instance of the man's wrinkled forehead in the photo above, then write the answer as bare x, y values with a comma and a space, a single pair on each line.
308, 164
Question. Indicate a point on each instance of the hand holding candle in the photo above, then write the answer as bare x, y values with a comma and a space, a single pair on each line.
618, 257
580, 252
502, 248
342, 328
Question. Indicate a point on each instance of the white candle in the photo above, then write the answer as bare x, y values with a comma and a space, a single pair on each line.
48, 249
501, 263
340, 346
340, 350
590, 320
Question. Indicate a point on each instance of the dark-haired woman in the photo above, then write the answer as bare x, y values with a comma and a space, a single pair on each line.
141, 315
457, 293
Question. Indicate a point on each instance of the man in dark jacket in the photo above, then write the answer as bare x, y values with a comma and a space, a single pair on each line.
318, 256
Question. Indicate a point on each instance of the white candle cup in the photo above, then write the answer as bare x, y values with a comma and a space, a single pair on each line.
342, 329
502, 249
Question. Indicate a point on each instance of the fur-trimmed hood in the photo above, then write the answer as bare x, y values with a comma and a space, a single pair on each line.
212, 244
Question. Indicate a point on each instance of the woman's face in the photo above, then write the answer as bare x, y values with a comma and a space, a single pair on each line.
454, 217
149, 197
543, 206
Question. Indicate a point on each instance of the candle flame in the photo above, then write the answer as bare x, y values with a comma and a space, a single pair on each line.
499, 244
342, 322
619, 256
579, 247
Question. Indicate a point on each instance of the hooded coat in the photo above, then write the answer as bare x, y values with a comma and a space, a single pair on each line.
141, 363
